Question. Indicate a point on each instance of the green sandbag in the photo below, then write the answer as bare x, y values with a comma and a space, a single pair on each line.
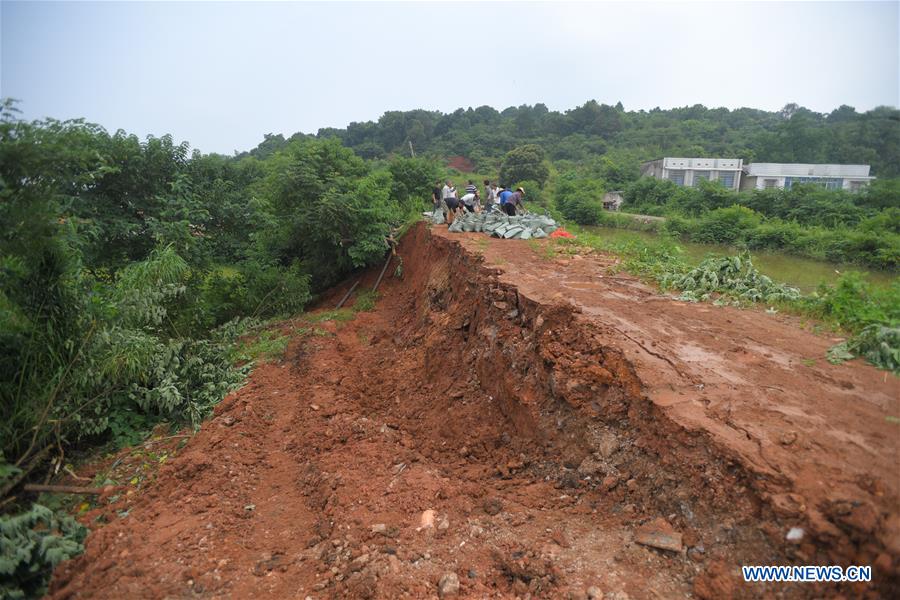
513, 231
501, 230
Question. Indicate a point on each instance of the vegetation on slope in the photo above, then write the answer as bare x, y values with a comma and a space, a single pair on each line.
129, 268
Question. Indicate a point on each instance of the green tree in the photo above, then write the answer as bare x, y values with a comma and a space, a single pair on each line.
579, 198
413, 179
525, 163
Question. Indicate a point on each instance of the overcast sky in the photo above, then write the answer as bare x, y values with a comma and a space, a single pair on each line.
220, 75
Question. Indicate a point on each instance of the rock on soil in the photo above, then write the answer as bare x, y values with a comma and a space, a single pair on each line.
658, 534
448, 585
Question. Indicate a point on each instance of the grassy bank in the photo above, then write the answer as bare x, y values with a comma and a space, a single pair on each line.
740, 227
869, 315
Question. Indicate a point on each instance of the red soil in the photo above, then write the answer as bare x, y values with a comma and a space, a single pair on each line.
549, 412
461, 164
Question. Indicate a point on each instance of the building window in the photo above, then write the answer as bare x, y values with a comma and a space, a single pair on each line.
770, 183
726, 178
855, 186
700, 176
676, 177
829, 183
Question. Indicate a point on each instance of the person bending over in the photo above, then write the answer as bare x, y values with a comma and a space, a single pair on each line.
514, 203
469, 200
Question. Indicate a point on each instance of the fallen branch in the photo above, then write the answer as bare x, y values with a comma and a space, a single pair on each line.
65, 489
75, 475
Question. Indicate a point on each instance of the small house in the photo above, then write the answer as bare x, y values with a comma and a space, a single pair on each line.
612, 200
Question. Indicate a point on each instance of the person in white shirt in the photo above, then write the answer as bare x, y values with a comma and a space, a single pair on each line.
445, 191
468, 201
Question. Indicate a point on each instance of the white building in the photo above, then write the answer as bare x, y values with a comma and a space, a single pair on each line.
760, 176
691, 171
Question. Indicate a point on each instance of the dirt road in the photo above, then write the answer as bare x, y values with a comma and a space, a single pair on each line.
508, 425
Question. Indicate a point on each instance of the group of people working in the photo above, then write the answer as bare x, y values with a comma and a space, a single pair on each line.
496, 197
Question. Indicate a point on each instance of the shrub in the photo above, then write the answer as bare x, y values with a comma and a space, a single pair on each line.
648, 194
877, 344
678, 226
854, 303
582, 210
883, 193
887, 220
726, 225
580, 199
31, 544
774, 234
623, 221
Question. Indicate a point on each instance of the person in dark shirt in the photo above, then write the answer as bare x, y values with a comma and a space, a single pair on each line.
436, 195
471, 188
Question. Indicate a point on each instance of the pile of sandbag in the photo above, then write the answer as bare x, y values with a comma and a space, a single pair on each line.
501, 225
436, 216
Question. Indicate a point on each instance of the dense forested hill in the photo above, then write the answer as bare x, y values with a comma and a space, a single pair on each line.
484, 135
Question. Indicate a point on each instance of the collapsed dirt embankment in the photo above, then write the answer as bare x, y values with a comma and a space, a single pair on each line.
565, 383
500, 440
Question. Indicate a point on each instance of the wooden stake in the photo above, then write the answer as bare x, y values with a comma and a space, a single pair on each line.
347, 295
383, 269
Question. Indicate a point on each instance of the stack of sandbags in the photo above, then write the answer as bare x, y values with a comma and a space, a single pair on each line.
501, 225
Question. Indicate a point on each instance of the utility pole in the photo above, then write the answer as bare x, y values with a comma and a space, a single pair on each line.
411, 151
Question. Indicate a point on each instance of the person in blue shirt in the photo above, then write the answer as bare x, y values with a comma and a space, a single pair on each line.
504, 196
